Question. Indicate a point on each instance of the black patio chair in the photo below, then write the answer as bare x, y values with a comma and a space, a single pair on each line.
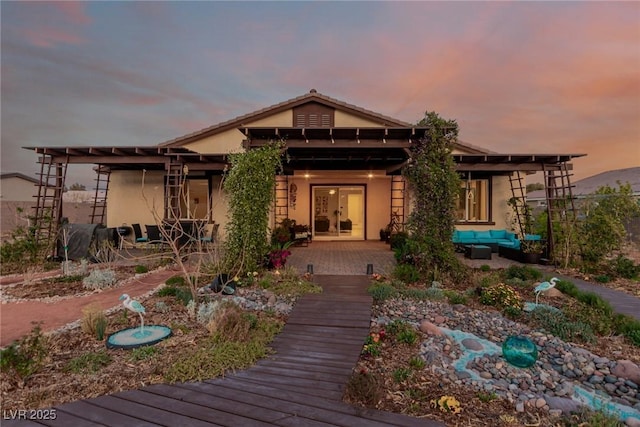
138, 233
154, 235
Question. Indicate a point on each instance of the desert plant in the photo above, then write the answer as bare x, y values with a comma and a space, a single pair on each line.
88, 363
455, 297
401, 374
486, 397
142, 353
94, 322
365, 388
625, 267
141, 269
485, 267
417, 363
228, 322
207, 310
25, 356
556, 323
522, 272
381, 291
501, 296
99, 279
406, 272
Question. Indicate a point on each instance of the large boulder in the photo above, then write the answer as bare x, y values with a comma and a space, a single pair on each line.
429, 328
627, 369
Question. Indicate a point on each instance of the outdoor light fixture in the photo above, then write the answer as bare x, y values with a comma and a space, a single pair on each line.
370, 175
306, 175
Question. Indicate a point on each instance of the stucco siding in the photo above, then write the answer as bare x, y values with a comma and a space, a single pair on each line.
17, 189
343, 119
221, 143
131, 202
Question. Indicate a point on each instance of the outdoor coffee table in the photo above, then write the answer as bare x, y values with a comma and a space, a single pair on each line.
477, 252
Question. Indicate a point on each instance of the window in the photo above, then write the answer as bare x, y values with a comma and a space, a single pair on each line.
195, 201
473, 201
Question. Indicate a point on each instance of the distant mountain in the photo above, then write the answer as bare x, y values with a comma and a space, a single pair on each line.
589, 185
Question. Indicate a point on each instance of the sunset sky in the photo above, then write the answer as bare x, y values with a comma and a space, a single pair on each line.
540, 77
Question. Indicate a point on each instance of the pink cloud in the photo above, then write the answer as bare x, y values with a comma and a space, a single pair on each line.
48, 37
49, 24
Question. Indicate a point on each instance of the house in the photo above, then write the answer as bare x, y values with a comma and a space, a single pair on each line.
18, 187
342, 173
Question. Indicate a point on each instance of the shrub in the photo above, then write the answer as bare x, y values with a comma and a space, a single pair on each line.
407, 336
182, 294
175, 281
596, 301
434, 294
94, 321
556, 323
381, 291
603, 278
407, 273
523, 272
629, 327
25, 356
490, 279
230, 324
567, 288
88, 363
455, 297
365, 388
485, 267
501, 296
141, 269
99, 279
624, 267
207, 310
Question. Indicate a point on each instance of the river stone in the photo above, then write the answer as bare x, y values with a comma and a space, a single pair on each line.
628, 370
566, 405
429, 328
632, 422
472, 344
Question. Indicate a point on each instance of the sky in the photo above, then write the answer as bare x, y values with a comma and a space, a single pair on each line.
519, 77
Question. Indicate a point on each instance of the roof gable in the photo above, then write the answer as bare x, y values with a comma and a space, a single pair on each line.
312, 96
19, 175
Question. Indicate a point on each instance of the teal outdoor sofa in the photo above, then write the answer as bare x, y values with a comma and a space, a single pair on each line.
491, 238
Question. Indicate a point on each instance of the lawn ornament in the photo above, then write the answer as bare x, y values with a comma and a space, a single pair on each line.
134, 306
545, 286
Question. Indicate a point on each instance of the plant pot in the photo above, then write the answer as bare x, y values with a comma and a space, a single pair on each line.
531, 258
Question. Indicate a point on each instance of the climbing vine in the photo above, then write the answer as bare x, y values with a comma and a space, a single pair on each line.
250, 185
435, 187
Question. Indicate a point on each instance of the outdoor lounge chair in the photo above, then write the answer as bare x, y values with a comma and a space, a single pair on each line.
213, 237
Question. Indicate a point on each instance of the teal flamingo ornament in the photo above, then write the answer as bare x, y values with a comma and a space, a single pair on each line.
134, 306
545, 286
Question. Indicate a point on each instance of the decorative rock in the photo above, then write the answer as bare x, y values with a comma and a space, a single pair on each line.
472, 344
429, 328
628, 370
540, 402
520, 407
439, 320
632, 422
486, 375
564, 404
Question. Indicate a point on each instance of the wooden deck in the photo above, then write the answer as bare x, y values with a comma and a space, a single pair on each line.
301, 385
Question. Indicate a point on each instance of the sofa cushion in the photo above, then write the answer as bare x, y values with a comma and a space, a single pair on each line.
483, 235
465, 235
498, 234
532, 237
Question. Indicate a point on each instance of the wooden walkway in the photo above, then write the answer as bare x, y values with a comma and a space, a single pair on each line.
301, 385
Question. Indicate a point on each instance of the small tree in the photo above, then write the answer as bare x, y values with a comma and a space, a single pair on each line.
602, 230
250, 188
435, 186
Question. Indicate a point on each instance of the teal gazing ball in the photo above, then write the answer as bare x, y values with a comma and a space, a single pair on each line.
520, 351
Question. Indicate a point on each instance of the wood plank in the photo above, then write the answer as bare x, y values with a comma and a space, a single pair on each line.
337, 406
161, 416
301, 373
310, 393
85, 409
268, 378
219, 411
309, 368
325, 329
292, 358
328, 339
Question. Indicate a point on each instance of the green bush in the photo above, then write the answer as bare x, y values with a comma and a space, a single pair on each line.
141, 269
485, 267
501, 296
603, 278
407, 336
142, 353
401, 374
596, 301
624, 267
25, 356
628, 326
417, 363
434, 294
490, 279
556, 323
567, 288
407, 273
523, 272
176, 281
381, 291
455, 297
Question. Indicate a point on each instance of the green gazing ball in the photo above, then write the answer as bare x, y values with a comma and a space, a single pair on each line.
520, 351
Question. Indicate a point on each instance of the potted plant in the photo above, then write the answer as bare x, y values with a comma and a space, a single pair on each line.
531, 251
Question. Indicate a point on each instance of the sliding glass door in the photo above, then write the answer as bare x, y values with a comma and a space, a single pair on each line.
338, 212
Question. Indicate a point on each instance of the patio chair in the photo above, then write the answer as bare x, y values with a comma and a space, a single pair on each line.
139, 238
213, 237
154, 236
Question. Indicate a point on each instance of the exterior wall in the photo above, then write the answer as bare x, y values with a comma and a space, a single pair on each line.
225, 142
343, 119
129, 204
17, 189
378, 196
